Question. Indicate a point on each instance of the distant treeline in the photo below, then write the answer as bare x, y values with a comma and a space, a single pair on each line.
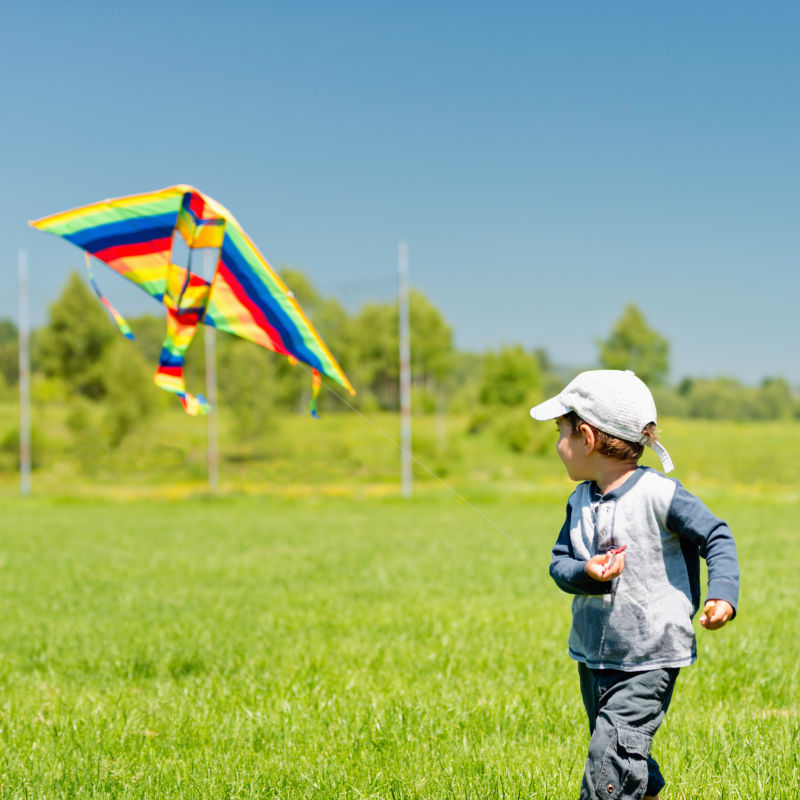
79, 358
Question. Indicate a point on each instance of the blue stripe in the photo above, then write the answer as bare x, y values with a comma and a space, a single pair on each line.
263, 298
168, 359
126, 231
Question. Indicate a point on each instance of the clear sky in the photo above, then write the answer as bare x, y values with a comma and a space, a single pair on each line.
546, 162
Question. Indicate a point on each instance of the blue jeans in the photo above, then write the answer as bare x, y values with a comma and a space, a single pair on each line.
624, 710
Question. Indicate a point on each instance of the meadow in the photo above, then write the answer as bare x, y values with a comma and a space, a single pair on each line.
308, 633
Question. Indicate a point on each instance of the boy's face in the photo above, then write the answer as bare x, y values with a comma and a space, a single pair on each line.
571, 448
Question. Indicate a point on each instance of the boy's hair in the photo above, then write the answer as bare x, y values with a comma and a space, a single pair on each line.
613, 446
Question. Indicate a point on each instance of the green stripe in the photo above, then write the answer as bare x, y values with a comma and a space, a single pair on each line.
108, 214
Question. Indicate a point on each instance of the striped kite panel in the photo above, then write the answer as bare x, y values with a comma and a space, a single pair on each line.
134, 236
260, 293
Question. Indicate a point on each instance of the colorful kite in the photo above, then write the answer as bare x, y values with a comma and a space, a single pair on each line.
159, 241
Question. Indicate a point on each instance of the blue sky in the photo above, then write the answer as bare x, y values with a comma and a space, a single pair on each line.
546, 162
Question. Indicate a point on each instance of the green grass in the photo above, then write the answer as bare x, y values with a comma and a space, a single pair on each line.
309, 634
292, 647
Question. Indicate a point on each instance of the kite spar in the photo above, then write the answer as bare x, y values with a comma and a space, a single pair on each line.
158, 241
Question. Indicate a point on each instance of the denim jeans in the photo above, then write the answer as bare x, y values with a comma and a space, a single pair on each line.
624, 710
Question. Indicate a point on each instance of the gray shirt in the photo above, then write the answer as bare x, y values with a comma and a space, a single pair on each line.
642, 619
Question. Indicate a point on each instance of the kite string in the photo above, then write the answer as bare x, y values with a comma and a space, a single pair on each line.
423, 466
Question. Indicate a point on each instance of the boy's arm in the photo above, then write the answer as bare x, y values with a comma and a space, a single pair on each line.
569, 572
690, 518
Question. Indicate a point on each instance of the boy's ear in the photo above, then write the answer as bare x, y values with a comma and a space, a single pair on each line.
588, 438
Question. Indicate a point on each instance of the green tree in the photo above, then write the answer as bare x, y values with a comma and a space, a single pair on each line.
511, 383
73, 342
150, 331
9, 351
633, 344
464, 381
298, 283
129, 394
376, 361
728, 398
511, 377
374, 350
716, 398
774, 399
247, 378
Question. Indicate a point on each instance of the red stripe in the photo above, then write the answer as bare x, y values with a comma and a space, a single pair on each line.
196, 280
176, 372
255, 312
189, 316
196, 204
138, 249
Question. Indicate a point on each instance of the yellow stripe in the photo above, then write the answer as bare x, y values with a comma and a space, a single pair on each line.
209, 236
118, 202
169, 382
185, 226
148, 267
224, 298
149, 197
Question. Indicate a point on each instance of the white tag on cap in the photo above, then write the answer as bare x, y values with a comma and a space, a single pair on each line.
662, 453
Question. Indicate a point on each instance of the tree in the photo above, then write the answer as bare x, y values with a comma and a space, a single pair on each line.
727, 398
511, 382
512, 377
82, 346
375, 349
715, 398
130, 395
9, 351
150, 331
774, 399
633, 344
73, 342
247, 387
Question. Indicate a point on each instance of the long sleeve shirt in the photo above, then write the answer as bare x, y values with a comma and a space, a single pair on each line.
643, 618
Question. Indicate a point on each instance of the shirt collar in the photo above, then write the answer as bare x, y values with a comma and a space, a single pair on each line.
615, 494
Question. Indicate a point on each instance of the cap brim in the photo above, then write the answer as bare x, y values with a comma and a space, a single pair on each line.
550, 409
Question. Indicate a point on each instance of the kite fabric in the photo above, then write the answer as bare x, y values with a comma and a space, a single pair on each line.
316, 383
123, 326
158, 241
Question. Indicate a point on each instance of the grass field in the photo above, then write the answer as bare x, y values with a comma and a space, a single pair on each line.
309, 634
293, 647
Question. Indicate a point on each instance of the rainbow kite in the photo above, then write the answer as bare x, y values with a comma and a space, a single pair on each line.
159, 241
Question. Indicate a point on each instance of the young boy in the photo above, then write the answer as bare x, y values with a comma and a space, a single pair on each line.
629, 551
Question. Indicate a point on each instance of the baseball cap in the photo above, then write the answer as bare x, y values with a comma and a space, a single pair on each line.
614, 401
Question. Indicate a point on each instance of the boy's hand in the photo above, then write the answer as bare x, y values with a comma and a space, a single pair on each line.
606, 566
715, 614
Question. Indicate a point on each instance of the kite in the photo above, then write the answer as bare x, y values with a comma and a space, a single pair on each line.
160, 241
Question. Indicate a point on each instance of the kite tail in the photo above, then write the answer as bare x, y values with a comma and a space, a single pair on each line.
169, 375
118, 318
316, 383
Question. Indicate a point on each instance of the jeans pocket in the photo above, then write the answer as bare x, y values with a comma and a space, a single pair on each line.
624, 768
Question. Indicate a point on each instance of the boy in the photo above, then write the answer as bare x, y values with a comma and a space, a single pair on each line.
629, 551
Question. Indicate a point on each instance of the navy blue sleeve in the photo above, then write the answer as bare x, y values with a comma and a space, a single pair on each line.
709, 536
568, 572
